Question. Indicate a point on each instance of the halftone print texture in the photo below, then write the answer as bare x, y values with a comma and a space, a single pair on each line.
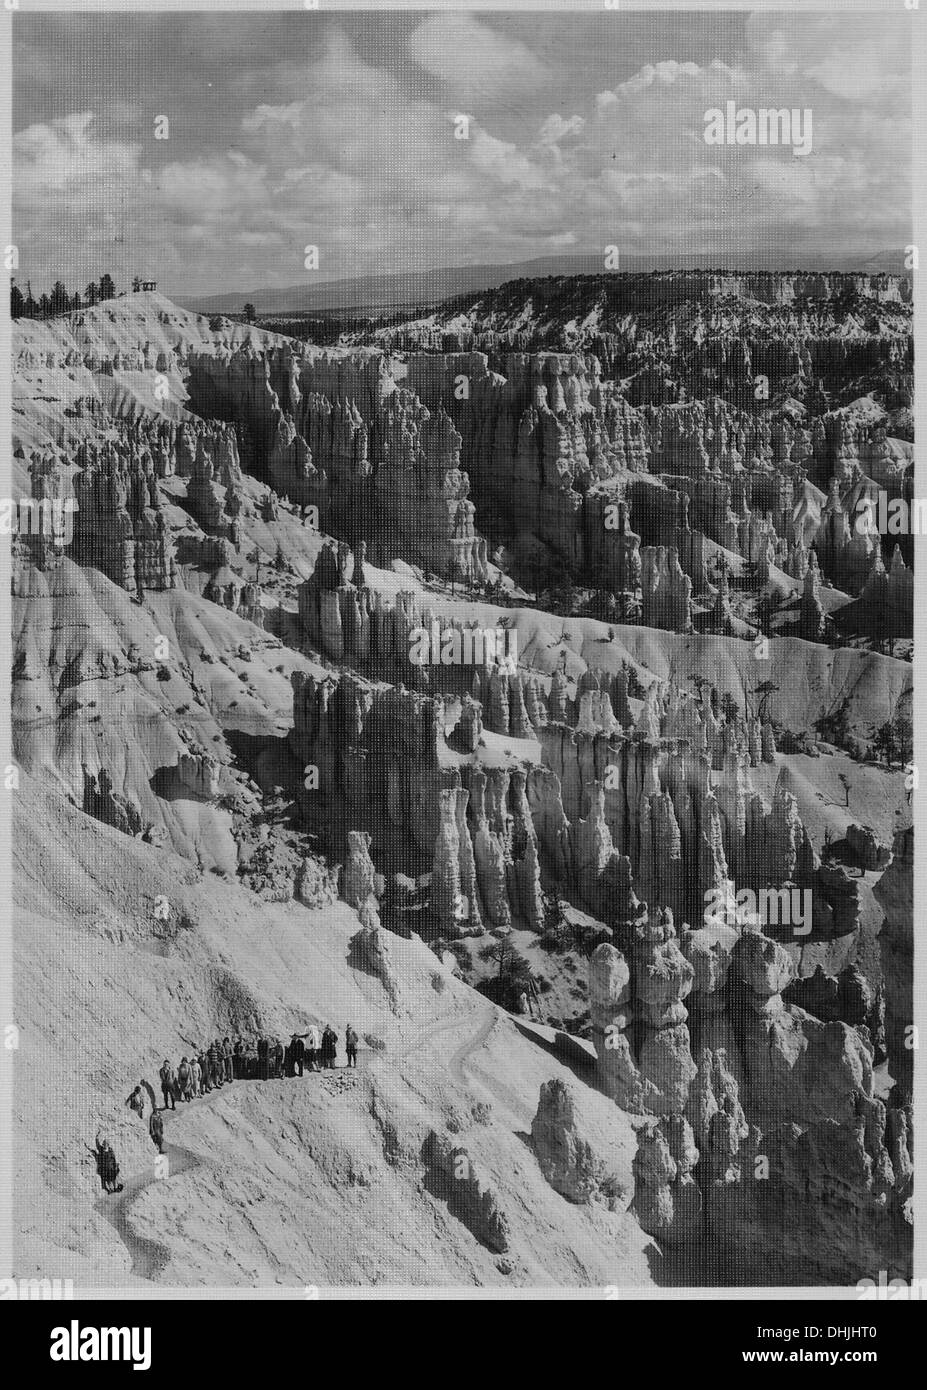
462, 770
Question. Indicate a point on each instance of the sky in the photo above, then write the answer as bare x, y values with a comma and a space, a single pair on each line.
338, 131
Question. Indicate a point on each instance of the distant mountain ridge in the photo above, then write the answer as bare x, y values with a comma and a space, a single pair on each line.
448, 282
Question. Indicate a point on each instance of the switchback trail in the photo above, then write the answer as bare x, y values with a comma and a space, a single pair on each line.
481, 1023
149, 1257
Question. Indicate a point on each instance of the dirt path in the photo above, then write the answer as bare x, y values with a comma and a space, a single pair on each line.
481, 1022
470, 1045
149, 1257
449, 1024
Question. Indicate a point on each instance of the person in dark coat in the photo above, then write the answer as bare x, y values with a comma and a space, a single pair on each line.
329, 1046
263, 1053
168, 1085
350, 1043
156, 1130
238, 1059
227, 1059
277, 1057
299, 1054
107, 1167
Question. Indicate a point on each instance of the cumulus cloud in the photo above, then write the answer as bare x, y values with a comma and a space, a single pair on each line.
353, 151
475, 60
65, 159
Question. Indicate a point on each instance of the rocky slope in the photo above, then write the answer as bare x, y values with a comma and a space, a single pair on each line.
221, 704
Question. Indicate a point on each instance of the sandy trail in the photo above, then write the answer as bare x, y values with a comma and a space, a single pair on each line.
481, 1022
149, 1257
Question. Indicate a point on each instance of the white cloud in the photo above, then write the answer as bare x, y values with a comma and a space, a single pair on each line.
351, 156
474, 59
65, 159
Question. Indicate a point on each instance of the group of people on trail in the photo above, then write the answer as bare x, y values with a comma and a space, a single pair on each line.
253, 1059
221, 1062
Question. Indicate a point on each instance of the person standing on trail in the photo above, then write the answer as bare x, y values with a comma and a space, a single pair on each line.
195, 1087
156, 1130
227, 1059
329, 1046
168, 1085
238, 1059
299, 1054
278, 1057
313, 1045
107, 1167
204, 1068
350, 1043
263, 1059
212, 1057
184, 1079
136, 1101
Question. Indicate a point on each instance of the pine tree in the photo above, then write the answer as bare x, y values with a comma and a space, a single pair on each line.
60, 299
107, 288
17, 303
91, 294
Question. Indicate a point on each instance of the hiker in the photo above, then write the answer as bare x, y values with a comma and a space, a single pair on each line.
184, 1079
297, 1053
227, 1059
350, 1043
313, 1044
329, 1046
136, 1101
278, 1057
263, 1059
107, 1167
212, 1058
196, 1078
168, 1085
238, 1059
156, 1130
205, 1087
